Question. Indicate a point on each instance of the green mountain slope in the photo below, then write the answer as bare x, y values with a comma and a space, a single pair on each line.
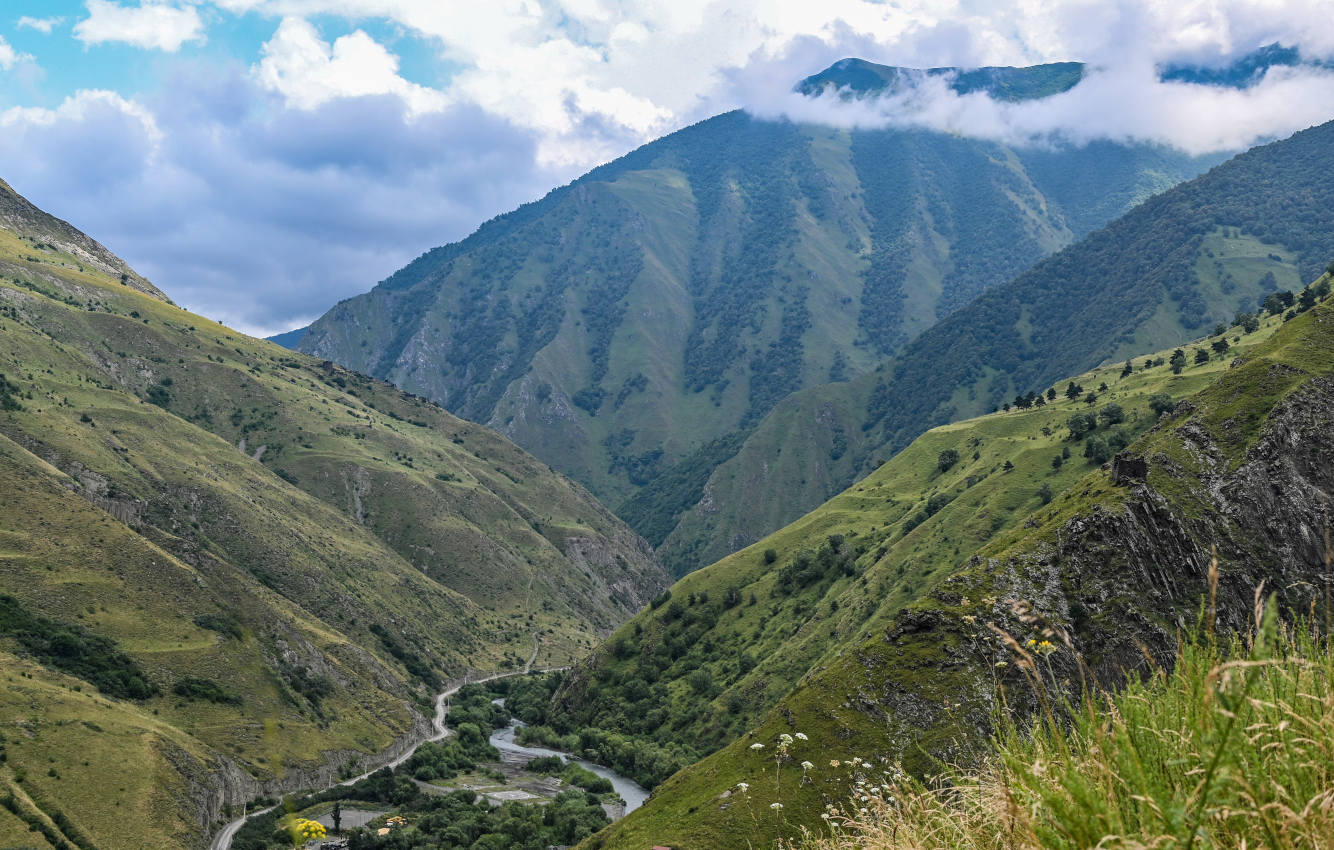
1162, 274
638, 319
226, 568
707, 660
1113, 568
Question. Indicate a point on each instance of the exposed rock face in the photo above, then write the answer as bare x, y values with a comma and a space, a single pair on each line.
1122, 583
1128, 468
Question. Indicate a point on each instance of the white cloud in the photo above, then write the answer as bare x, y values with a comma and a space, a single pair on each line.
594, 78
330, 168
257, 214
1129, 104
9, 57
308, 72
42, 25
151, 25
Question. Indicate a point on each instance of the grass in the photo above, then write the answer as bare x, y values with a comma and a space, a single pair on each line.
162, 475
787, 634
1113, 564
1233, 748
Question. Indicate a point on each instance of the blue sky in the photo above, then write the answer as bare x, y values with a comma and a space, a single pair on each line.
262, 159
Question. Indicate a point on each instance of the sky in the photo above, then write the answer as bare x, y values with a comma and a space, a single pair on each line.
261, 160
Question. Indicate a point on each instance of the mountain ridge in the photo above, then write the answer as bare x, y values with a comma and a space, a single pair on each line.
645, 314
255, 564
1183, 260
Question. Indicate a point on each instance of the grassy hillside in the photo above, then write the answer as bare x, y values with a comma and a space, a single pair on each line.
1113, 775
1112, 568
730, 641
1162, 274
226, 568
627, 325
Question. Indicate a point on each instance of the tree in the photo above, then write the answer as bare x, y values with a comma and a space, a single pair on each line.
947, 458
1221, 346
1111, 414
1251, 323
1091, 398
1220, 329
1056, 461
1081, 424
1073, 391
1127, 369
1045, 494
770, 556
1161, 403
700, 680
1201, 356
1177, 361
1008, 467
1097, 449
1051, 394
338, 817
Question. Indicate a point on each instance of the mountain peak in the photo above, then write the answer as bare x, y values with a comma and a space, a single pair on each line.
853, 78
858, 78
22, 218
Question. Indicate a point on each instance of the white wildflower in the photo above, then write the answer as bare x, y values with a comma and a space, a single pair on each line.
806, 765
801, 736
743, 787
757, 746
775, 806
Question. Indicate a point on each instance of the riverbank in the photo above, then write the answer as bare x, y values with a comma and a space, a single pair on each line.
223, 839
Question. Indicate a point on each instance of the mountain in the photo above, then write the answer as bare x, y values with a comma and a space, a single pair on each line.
1229, 490
290, 339
708, 659
228, 569
854, 77
634, 326
1171, 268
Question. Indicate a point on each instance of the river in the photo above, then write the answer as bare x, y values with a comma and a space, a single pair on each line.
631, 792
502, 739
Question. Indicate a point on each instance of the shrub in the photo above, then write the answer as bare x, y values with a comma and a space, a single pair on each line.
947, 459
207, 690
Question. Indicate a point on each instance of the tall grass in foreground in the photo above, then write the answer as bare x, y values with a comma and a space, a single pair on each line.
1232, 749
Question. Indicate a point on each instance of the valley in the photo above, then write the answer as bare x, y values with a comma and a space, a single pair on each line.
885, 457
256, 565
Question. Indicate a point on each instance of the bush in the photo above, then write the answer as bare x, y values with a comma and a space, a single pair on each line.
206, 690
546, 764
1161, 403
947, 459
73, 649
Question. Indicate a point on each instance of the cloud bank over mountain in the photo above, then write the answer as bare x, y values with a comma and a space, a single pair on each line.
1119, 103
